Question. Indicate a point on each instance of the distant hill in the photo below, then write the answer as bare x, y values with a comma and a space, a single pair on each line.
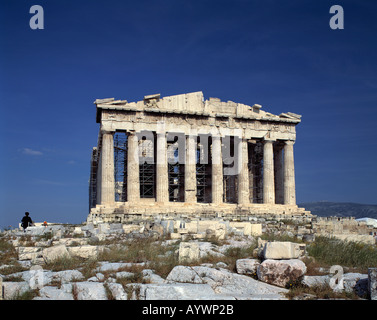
341, 209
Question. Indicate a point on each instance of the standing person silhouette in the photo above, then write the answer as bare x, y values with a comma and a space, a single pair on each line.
26, 221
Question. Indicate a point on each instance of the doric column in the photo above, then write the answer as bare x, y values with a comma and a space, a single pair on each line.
279, 173
243, 175
107, 168
99, 178
268, 173
217, 171
289, 174
190, 169
133, 182
162, 181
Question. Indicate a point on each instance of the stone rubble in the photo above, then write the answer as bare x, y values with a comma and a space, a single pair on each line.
278, 265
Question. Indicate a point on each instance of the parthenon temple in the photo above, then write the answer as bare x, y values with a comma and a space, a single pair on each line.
183, 154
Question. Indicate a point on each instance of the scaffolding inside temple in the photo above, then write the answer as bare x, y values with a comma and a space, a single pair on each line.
176, 171
120, 166
147, 165
203, 170
255, 151
93, 179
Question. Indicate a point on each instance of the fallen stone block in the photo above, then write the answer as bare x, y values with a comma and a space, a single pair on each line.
181, 291
283, 250
117, 291
37, 231
356, 282
247, 228
316, 281
67, 276
12, 290
150, 276
89, 291
281, 272
28, 253
36, 277
188, 251
85, 252
71, 241
56, 252
115, 266
54, 293
247, 266
223, 282
207, 248
244, 243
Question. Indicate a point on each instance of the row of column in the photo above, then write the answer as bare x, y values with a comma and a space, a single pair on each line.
278, 171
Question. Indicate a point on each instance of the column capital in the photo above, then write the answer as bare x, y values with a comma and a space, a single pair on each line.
278, 146
106, 131
161, 134
289, 142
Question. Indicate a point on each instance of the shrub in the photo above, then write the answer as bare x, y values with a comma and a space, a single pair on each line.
351, 254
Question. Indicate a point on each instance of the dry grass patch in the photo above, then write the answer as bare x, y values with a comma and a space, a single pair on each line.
8, 252
323, 291
64, 263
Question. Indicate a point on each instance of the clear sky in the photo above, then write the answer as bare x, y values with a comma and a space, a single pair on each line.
280, 54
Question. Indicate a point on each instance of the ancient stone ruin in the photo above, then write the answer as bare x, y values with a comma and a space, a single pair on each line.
190, 200
183, 155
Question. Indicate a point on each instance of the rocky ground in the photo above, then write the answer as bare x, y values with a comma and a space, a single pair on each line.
104, 262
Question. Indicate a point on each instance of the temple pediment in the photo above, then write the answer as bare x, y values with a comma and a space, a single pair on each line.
195, 104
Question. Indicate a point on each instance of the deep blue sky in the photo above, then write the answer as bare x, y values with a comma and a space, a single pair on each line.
280, 54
